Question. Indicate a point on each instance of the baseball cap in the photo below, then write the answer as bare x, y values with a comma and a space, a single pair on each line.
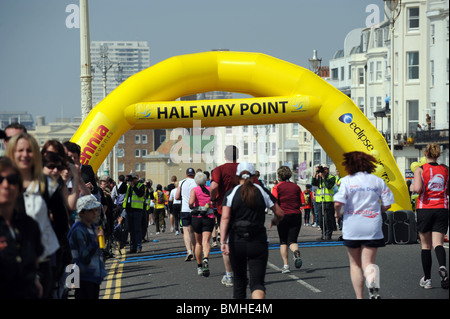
190, 171
324, 165
87, 202
245, 166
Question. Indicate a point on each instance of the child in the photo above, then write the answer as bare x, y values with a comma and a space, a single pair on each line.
87, 255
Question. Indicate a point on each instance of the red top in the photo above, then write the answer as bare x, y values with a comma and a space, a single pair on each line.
225, 176
290, 197
435, 183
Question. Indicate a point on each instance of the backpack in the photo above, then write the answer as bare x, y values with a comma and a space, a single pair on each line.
307, 198
161, 198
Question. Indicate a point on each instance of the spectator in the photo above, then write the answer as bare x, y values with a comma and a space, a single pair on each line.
23, 149
83, 238
134, 205
19, 253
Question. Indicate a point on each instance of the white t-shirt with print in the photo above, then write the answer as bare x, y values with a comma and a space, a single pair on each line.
361, 194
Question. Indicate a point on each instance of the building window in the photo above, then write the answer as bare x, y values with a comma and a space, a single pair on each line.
137, 153
342, 73
413, 65
295, 129
274, 149
413, 18
144, 139
137, 167
121, 167
121, 139
144, 152
245, 148
379, 71
120, 152
432, 33
432, 72
361, 103
137, 139
361, 76
413, 115
371, 71
335, 74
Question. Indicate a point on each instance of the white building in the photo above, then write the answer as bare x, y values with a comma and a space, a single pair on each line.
420, 77
107, 56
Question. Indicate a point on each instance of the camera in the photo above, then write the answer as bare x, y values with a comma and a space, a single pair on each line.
320, 169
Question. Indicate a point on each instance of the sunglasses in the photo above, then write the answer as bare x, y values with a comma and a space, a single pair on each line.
52, 166
11, 179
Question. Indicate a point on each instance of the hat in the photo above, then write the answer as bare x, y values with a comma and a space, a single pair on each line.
104, 178
245, 166
324, 165
190, 171
87, 202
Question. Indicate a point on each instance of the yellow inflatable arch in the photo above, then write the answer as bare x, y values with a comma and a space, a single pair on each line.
284, 93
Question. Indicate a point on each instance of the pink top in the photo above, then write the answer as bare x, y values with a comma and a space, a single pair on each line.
201, 199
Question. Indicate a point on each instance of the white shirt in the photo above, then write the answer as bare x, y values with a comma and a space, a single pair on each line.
361, 194
36, 207
186, 186
172, 197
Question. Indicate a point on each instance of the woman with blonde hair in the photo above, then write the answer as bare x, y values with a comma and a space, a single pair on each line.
431, 182
24, 151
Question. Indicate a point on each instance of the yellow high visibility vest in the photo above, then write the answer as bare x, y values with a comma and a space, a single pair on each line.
136, 201
328, 193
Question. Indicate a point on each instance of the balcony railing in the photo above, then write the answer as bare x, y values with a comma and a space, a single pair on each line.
418, 138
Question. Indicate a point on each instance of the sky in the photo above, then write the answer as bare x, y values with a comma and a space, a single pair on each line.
40, 55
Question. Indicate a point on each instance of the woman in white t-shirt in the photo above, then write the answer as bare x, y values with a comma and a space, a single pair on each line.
358, 200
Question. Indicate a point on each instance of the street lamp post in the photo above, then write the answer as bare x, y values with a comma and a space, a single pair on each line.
104, 64
85, 61
392, 5
315, 65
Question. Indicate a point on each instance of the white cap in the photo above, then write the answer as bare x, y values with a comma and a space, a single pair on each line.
324, 165
87, 202
245, 166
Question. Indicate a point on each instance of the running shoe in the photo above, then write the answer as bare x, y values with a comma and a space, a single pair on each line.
189, 257
297, 260
425, 283
227, 281
285, 269
199, 271
444, 277
373, 293
205, 267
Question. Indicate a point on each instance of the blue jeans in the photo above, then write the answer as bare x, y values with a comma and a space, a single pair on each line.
135, 227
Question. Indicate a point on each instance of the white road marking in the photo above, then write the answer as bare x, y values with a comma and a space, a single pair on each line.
301, 282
